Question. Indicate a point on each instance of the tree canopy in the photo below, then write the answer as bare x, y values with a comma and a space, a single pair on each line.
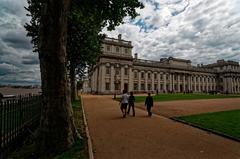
82, 42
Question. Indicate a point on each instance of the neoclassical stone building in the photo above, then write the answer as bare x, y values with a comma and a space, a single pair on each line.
117, 69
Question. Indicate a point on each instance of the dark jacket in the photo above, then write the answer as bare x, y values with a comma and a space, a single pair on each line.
131, 100
149, 101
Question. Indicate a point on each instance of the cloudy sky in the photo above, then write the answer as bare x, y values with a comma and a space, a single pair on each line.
199, 30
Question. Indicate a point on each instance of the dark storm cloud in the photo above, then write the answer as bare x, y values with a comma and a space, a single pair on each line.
5, 69
31, 59
17, 40
17, 62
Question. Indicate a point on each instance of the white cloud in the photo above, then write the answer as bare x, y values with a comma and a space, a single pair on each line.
202, 31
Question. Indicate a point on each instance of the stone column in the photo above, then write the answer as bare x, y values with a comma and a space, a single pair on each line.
153, 81
173, 83
146, 81
130, 81
225, 85
233, 85
238, 85
164, 82
199, 84
203, 83
112, 79
122, 78
139, 80
189, 83
184, 83
159, 82
207, 83
95, 87
210, 83
170, 84
214, 84
103, 83
229, 84
195, 83
178, 82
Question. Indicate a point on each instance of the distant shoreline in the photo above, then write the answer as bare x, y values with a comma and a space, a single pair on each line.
19, 91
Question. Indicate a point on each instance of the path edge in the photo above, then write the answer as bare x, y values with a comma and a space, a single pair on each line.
90, 148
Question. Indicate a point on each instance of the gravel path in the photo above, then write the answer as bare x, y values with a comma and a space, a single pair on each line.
142, 137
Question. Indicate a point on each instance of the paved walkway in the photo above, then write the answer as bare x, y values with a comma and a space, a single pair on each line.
142, 137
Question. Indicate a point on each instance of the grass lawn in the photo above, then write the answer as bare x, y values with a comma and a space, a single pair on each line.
226, 122
172, 97
79, 149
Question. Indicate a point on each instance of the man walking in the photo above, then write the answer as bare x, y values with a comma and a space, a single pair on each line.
131, 101
149, 104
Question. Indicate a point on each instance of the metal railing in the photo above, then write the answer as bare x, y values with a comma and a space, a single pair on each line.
19, 117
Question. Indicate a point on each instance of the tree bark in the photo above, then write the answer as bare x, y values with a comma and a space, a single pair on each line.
57, 130
73, 82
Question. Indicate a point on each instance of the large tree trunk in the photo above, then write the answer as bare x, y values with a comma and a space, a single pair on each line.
73, 82
57, 130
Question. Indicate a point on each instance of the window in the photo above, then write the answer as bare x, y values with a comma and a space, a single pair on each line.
155, 76
142, 75
117, 49
125, 71
117, 71
135, 74
161, 76
161, 86
175, 87
149, 86
108, 48
181, 77
149, 75
107, 86
155, 86
166, 77
142, 87
126, 51
135, 87
175, 77
117, 86
107, 70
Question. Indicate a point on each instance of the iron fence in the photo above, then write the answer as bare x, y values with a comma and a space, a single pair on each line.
19, 117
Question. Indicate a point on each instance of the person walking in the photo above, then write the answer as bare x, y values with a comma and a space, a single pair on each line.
149, 104
131, 101
124, 103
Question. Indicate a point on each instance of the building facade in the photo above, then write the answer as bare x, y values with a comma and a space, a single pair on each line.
117, 70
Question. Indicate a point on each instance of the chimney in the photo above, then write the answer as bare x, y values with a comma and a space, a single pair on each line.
119, 36
135, 55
